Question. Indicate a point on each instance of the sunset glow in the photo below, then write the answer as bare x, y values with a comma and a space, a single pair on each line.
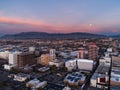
64, 16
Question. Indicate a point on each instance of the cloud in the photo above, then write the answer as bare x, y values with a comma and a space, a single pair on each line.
14, 25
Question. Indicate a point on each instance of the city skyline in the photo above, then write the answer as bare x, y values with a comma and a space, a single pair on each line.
64, 16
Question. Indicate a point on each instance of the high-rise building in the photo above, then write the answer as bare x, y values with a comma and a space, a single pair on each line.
92, 52
26, 59
81, 53
52, 54
13, 58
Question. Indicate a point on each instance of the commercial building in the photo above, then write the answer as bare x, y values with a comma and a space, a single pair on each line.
115, 77
81, 64
21, 77
81, 53
52, 54
31, 49
101, 77
4, 55
56, 62
44, 59
75, 79
13, 58
8, 66
85, 64
36, 84
26, 59
71, 65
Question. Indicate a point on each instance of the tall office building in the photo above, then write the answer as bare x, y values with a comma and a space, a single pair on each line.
13, 58
52, 54
92, 52
26, 59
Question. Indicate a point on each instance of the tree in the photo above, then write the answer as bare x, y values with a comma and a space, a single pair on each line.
53, 68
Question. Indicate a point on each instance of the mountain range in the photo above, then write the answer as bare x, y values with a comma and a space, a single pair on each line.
44, 35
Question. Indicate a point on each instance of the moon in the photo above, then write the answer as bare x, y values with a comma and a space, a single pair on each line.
90, 25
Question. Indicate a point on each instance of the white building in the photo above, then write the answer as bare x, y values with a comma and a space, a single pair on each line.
85, 64
109, 50
82, 64
115, 76
75, 79
52, 52
13, 58
35, 83
71, 65
8, 66
105, 61
21, 77
56, 62
31, 49
4, 54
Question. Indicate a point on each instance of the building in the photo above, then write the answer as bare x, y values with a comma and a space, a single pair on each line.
31, 49
43, 69
109, 50
36, 84
21, 77
75, 79
85, 64
67, 88
105, 61
81, 64
71, 65
13, 58
44, 59
52, 54
4, 55
26, 59
8, 66
56, 62
115, 77
81, 53
92, 52
101, 77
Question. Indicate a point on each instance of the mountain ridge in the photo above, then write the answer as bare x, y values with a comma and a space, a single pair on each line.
45, 35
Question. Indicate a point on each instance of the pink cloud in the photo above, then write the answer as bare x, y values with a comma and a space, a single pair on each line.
19, 24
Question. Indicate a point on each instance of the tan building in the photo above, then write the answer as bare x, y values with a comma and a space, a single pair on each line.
92, 52
44, 59
81, 53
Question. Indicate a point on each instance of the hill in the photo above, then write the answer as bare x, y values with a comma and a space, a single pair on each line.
44, 35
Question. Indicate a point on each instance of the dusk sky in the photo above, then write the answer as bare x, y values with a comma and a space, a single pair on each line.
60, 16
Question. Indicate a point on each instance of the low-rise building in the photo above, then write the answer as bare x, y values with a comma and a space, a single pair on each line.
8, 66
36, 84
75, 79
21, 77
56, 62
71, 65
